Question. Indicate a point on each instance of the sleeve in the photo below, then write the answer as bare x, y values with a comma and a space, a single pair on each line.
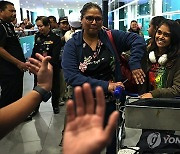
72, 74
174, 89
56, 52
130, 41
3, 35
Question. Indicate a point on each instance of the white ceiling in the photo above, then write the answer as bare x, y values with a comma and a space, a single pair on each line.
65, 4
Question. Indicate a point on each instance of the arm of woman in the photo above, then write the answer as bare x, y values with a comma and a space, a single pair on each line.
136, 44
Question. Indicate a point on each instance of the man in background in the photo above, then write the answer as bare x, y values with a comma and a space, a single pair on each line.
12, 60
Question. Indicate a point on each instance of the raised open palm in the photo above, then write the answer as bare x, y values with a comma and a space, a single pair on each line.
84, 133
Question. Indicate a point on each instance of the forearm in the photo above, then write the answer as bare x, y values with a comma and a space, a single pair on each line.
15, 113
5, 55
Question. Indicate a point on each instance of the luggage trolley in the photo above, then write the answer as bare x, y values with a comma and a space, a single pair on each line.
158, 115
120, 131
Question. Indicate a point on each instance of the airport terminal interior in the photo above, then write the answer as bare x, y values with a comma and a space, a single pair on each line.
43, 133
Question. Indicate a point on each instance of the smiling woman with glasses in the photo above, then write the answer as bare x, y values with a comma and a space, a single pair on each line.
89, 57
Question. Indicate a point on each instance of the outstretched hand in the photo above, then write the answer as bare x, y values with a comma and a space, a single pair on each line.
43, 69
84, 132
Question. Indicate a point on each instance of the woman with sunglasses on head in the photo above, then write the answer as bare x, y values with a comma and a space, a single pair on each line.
89, 57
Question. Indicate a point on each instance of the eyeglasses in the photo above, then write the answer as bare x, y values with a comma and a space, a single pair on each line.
91, 19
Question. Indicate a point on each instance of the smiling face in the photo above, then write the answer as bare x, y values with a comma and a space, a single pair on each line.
134, 26
92, 21
163, 37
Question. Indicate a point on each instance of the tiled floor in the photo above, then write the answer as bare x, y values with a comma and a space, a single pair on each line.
42, 135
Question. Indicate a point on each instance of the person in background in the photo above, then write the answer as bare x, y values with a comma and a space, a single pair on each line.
28, 24
163, 58
12, 60
85, 132
154, 23
75, 24
89, 57
16, 112
48, 44
15, 24
134, 27
64, 27
55, 29
54, 25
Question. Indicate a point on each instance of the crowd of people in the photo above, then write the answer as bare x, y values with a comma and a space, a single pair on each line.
77, 52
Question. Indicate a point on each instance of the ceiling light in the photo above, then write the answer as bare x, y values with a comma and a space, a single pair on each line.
26, 1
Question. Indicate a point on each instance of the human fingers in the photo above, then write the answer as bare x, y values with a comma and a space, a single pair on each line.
89, 99
111, 126
35, 62
111, 87
45, 63
70, 111
141, 75
32, 68
138, 75
39, 56
120, 84
100, 103
80, 105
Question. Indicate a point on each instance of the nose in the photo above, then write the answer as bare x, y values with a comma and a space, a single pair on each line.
39, 28
94, 21
161, 36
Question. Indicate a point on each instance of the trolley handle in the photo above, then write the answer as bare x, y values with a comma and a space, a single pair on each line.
119, 90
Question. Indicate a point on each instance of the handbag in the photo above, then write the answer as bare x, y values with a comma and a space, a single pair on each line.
130, 84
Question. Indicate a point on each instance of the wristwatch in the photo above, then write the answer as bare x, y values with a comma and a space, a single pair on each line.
46, 95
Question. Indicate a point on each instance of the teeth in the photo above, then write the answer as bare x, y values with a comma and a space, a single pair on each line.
160, 41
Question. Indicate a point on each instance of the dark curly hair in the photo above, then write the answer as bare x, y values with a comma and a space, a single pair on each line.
88, 6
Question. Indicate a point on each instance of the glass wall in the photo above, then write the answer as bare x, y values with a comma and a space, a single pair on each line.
142, 11
143, 7
170, 5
